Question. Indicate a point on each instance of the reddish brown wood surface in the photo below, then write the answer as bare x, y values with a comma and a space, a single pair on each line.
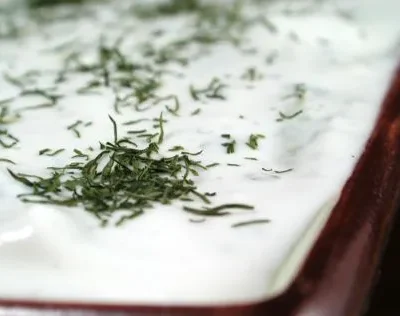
338, 274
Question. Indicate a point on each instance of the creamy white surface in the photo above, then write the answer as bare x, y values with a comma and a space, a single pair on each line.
61, 253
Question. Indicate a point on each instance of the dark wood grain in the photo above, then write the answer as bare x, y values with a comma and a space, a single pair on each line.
340, 270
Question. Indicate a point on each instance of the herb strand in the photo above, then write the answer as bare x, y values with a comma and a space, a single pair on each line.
218, 210
253, 140
252, 222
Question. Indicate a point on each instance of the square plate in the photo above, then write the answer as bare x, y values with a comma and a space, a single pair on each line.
338, 273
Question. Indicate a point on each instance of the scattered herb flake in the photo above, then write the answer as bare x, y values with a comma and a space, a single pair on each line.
196, 112
7, 161
284, 117
252, 74
218, 210
7, 140
230, 146
252, 222
197, 221
215, 164
283, 171
253, 140
121, 177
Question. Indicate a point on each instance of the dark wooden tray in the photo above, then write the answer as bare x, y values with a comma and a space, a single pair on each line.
338, 275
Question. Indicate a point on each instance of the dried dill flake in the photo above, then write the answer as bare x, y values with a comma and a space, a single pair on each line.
120, 178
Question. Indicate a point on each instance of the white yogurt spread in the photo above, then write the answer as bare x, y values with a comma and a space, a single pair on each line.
58, 253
